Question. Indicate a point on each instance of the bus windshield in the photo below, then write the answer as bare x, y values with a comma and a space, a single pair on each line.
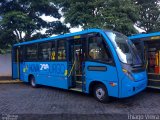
125, 49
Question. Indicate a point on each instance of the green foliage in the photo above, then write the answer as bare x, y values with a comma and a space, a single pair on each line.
5, 40
149, 17
21, 20
18, 22
119, 15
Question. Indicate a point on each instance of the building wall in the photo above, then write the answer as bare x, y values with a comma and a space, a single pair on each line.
5, 65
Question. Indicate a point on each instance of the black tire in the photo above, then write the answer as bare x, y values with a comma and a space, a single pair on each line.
33, 82
101, 93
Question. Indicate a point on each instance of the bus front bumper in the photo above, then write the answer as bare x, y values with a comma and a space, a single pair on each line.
130, 88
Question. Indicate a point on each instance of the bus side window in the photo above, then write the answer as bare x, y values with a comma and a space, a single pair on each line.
44, 51
61, 50
53, 51
31, 52
98, 49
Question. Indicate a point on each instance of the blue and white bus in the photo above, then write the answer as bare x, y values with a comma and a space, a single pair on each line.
100, 62
149, 48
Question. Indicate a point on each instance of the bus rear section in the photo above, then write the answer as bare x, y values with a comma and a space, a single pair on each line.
150, 53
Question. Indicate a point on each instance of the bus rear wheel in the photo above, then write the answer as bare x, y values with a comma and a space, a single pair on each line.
101, 94
33, 82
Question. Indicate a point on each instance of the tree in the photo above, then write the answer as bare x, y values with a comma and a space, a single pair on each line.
21, 20
119, 15
149, 17
5, 38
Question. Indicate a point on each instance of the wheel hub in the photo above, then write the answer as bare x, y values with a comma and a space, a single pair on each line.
100, 93
33, 82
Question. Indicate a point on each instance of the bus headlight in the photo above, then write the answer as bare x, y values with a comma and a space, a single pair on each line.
128, 74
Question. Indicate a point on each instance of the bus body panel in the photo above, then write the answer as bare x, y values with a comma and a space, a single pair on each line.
21, 74
151, 42
124, 82
103, 73
15, 70
15, 65
47, 73
54, 73
130, 87
115, 57
61, 36
117, 62
137, 36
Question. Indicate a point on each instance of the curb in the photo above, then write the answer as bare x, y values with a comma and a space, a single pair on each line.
9, 81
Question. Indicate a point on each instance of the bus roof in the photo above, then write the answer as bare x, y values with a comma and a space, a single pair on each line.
144, 35
60, 36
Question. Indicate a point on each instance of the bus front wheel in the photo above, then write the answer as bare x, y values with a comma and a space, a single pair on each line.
33, 82
100, 93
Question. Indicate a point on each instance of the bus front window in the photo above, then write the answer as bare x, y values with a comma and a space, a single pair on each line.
125, 49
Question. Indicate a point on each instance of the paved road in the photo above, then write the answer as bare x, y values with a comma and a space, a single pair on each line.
21, 98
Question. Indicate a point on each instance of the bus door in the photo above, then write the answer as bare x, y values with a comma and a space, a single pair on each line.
17, 64
100, 66
153, 65
154, 61
76, 64
157, 63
